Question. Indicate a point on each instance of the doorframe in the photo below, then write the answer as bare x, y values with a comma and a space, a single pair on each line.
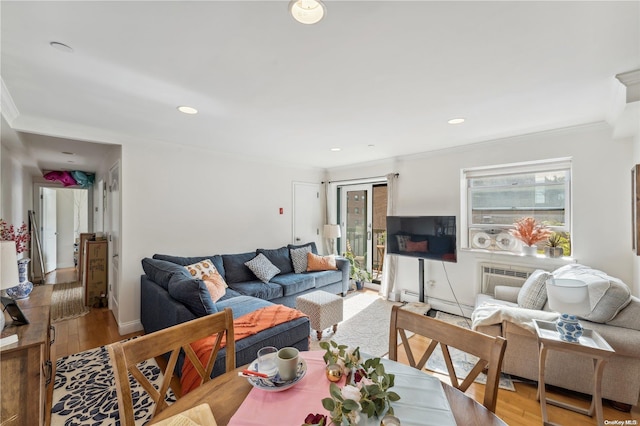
343, 214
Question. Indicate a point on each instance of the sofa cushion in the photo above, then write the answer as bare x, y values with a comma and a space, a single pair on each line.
629, 317
193, 293
280, 257
259, 289
321, 263
235, 269
294, 283
205, 270
184, 261
161, 271
324, 278
262, 268
299, 258
607, 295
311, 245
533, 293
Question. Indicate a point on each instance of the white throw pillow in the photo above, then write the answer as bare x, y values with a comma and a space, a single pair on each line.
533, 294
262, 268
299, 258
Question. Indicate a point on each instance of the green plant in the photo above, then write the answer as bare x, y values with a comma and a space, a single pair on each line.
555, 240
560, 239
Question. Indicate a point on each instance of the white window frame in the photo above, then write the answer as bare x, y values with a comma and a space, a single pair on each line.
506, 169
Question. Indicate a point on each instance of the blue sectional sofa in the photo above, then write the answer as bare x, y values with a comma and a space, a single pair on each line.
169, 296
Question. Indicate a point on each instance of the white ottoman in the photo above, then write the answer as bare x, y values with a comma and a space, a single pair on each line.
324, 310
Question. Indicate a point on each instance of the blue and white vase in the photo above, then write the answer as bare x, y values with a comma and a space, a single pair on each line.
569, 328
24, 287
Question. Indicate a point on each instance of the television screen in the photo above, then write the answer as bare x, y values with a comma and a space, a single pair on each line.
426, 237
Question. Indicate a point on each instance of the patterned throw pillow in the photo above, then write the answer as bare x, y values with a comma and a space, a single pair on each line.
320, 263
262, 268
299, 258
533, 294
402, 242
205, 270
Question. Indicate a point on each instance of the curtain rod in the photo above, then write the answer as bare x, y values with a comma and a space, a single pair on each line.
359, 179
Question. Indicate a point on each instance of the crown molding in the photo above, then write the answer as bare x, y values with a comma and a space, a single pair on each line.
631, 81
7, 106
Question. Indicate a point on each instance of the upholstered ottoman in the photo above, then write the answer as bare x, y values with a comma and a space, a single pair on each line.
324, 310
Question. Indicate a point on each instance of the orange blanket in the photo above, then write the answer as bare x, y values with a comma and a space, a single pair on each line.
244, 326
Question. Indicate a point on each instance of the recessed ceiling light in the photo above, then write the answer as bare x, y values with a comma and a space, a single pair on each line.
456, 121
307, 11
336, 149
371, 145
187, 110
61, 47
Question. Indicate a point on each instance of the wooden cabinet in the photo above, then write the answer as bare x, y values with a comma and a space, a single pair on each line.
25, 366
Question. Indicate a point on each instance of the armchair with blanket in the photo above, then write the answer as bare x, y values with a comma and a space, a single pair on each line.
615, 315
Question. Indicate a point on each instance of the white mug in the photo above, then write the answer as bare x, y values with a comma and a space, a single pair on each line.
288, 363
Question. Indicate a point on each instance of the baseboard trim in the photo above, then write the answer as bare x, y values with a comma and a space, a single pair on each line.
130, 327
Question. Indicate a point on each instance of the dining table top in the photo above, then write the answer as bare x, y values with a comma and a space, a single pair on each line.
225, 394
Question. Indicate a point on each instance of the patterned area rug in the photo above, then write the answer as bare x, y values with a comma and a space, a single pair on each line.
67, 301
462, 361
84, 391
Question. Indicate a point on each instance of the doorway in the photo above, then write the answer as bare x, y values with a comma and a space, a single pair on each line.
362, 217
64, 216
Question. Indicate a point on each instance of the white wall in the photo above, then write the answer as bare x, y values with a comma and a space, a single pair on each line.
636, 259
429, 184
16, 190
190, 202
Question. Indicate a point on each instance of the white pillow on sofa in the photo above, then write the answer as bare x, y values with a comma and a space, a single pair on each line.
607, 295
533, 294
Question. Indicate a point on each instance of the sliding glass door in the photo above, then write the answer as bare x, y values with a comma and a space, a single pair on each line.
356, 222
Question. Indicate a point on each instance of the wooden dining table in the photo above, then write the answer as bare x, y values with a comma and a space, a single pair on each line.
225, 394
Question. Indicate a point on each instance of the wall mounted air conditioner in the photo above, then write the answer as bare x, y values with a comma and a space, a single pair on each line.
492, 275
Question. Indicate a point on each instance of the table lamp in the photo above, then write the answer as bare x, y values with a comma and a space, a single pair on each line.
570, 298
331, 232
8, 269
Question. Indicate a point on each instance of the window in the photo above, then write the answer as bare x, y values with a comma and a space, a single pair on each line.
495, 197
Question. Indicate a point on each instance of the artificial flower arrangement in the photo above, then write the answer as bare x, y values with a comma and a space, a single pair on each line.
19, 235
366, 392
529, 231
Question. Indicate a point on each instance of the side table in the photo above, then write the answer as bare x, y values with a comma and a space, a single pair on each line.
592, 345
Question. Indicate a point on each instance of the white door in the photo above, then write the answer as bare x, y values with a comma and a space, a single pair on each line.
98, 203
307, 214
113, 211
356, 214
49, 229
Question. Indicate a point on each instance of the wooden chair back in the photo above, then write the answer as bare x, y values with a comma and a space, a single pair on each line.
489, 349
125, 357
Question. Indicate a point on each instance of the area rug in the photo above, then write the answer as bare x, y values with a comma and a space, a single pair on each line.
84, 391
462, 361
67, 301
365, 324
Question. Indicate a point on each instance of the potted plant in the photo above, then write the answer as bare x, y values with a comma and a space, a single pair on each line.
555, 244
530, 232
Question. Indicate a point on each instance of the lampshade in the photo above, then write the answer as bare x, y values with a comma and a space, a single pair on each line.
331, 231
568, 296
307, 11
8, 265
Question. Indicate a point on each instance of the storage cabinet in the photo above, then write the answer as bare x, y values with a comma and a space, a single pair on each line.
25, 367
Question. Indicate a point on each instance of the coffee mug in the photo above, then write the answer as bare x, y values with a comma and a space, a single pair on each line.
288, 363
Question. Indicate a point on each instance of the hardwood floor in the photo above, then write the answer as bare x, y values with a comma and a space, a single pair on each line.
515, 408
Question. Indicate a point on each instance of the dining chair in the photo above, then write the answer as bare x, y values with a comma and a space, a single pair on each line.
489, 349
125, 357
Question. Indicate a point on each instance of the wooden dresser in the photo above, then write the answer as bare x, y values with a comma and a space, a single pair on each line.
25, 366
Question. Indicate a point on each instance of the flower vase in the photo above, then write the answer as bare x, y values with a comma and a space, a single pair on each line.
530, 250
24, 287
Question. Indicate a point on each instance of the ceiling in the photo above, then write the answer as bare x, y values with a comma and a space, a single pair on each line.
377, 79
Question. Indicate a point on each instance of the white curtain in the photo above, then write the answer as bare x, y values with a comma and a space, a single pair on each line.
390, 262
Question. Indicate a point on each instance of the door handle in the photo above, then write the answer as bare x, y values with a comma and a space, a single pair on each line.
368, 235
297, 239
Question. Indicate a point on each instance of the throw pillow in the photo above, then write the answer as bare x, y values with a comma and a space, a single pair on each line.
420, 246
262, 268
299, 258
402, 242
280, 257
192, 293
216, 289
533, 294
320, 263
161, 271
205, 270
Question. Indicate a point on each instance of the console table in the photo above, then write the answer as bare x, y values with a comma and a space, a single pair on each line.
25, 366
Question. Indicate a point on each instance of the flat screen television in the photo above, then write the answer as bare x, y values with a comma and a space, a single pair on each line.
425, 237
